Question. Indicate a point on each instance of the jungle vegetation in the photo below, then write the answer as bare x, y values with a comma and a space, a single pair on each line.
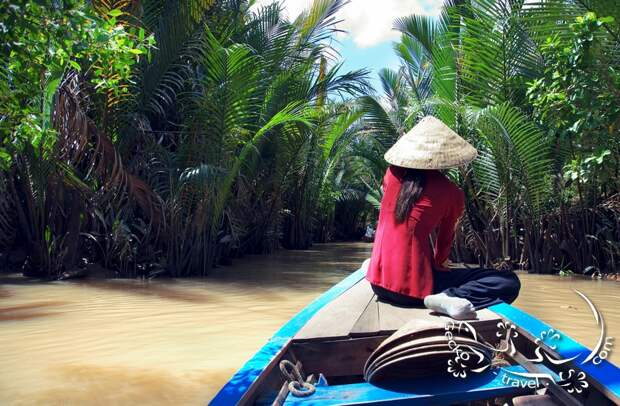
166, 137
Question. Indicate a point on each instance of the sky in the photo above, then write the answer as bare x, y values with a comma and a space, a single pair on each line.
368, 40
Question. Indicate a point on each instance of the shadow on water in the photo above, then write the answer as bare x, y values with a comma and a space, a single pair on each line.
301, 270
28, 311
16, 278
296, 269
156, 289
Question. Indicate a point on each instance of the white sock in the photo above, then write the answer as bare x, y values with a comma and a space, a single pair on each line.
455, 307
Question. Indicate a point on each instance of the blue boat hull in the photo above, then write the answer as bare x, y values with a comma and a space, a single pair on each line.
245, 386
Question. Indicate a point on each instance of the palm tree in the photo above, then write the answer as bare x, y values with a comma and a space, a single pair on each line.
252, 118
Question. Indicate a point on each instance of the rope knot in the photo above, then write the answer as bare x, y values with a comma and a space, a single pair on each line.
296, 384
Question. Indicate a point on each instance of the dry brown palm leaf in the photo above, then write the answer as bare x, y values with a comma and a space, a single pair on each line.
84, 147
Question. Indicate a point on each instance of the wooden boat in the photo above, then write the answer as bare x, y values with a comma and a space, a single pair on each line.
330, 341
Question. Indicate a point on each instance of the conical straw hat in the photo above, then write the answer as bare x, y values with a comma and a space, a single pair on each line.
431, 145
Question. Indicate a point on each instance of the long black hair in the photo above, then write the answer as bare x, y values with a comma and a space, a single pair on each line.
411, 188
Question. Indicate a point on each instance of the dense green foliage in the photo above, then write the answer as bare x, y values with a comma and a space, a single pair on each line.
41, 45
167, 136
535, 87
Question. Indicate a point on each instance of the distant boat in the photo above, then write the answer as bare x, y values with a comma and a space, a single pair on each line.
329, 344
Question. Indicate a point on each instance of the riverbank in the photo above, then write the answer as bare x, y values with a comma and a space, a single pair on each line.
176, 341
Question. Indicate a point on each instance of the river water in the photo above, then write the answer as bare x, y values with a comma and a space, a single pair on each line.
176, 341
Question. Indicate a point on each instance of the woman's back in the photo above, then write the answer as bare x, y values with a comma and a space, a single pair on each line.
438, 197
402, 260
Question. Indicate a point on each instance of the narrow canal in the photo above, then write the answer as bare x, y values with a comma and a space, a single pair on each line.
175, 342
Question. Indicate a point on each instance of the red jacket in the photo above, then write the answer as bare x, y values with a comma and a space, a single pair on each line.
401, 259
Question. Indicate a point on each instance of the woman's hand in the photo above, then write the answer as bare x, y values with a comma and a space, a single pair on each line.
446, 264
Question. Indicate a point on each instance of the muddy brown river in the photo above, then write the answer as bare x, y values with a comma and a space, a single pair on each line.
177, 341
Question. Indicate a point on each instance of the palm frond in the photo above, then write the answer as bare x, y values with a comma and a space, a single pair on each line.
496, 48
178, 34
520, 151
318, 23
379, 122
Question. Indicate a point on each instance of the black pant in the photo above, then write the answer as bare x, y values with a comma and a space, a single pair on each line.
482, 287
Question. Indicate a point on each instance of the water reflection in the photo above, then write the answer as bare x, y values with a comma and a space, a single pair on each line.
177, 341
27, 311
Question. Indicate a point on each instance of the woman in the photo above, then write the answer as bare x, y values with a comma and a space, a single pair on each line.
418, 200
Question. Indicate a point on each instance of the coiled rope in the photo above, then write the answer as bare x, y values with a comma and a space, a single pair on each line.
296, 384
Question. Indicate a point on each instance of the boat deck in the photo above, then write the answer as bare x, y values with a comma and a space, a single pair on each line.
358, 313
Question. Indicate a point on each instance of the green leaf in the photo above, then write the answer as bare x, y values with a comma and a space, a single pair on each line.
75, 65
5, 159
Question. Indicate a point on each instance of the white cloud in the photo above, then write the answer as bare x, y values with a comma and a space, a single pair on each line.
369, 22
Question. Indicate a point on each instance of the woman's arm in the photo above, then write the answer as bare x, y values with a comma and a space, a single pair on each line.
447, 228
